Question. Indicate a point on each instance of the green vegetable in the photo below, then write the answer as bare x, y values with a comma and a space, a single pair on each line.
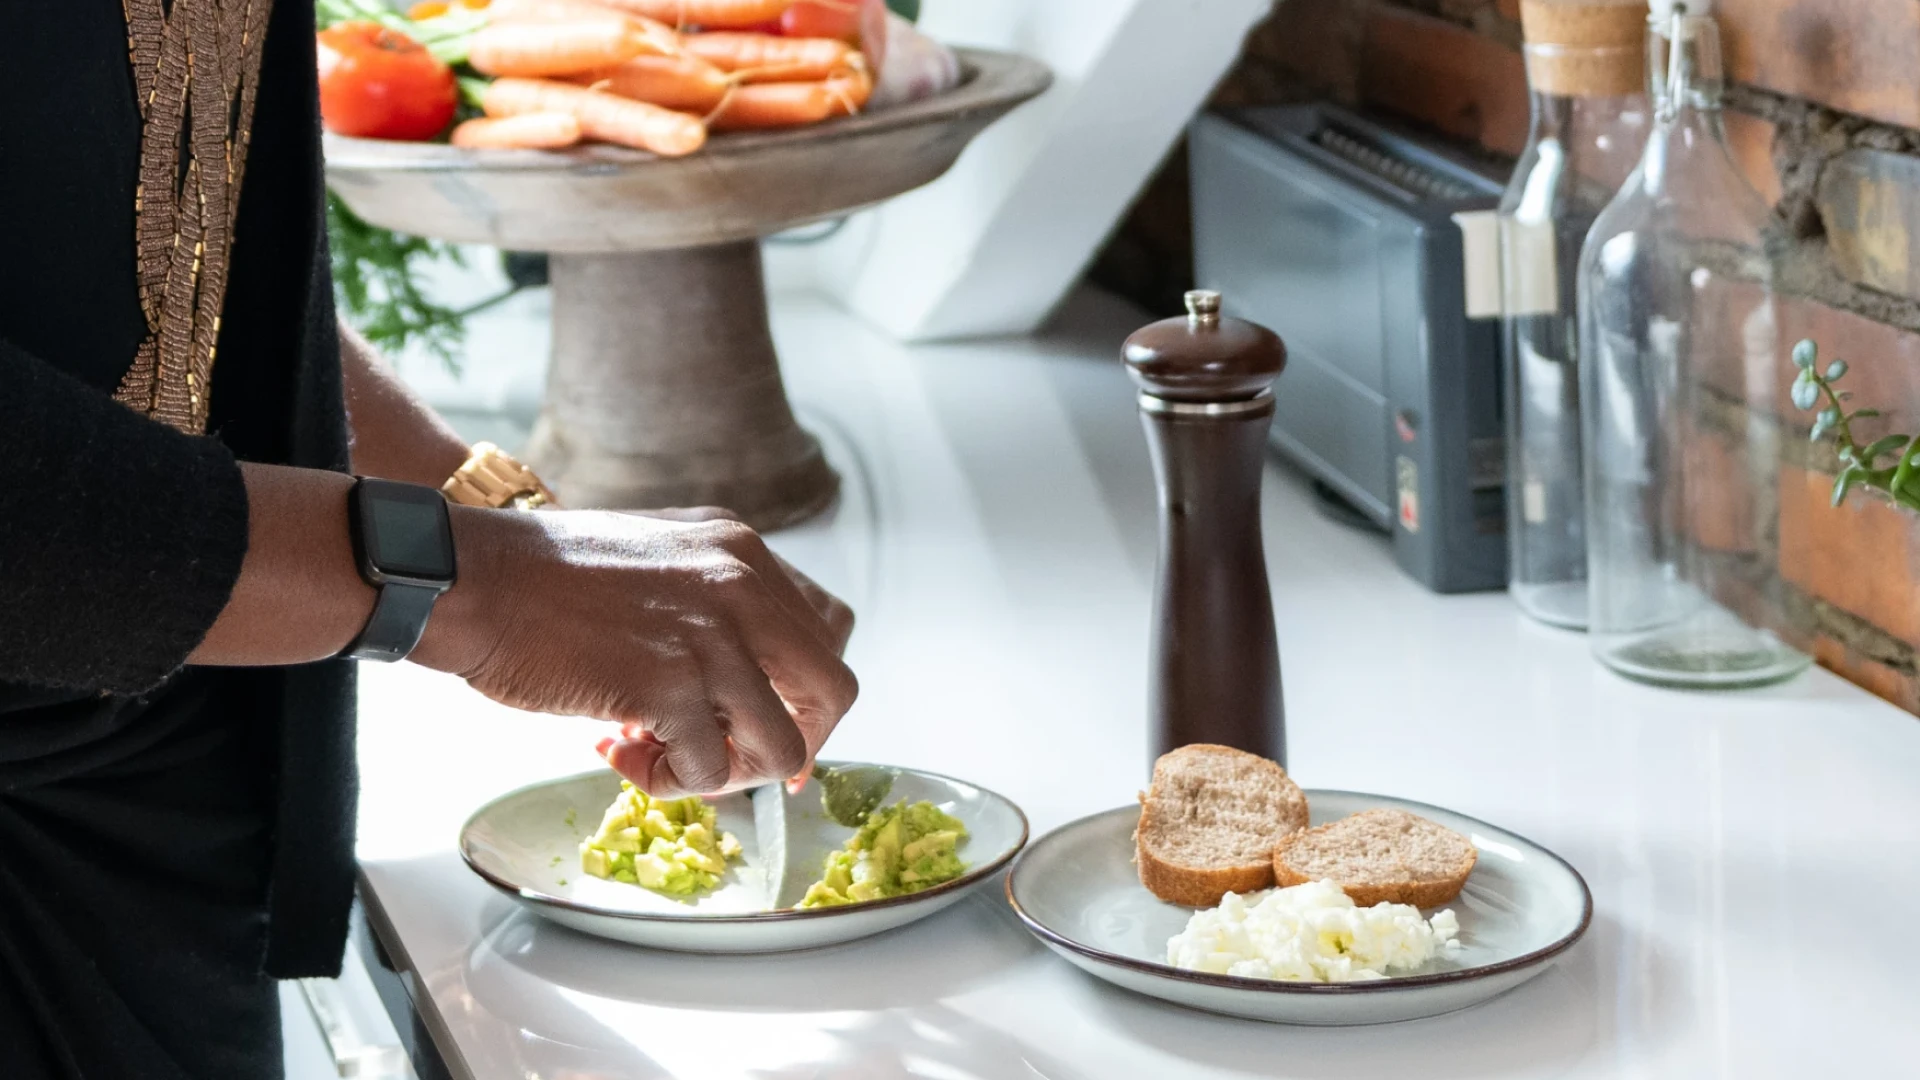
1897, 480
668, 845
902, 849
906, 9
446, 36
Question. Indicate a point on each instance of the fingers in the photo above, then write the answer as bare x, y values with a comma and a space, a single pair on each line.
837, 616
747, 680
780, 580
692, 756
815, 685
738, 734
767, 743
638, 760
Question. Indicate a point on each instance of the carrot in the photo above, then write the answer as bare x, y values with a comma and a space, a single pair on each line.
778, 105
662, 39
433, 9
707, 14
673, 82
527, 131
536, 48
603, 116
771, 58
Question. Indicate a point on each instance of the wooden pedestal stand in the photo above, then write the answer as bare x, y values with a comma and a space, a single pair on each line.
665, 389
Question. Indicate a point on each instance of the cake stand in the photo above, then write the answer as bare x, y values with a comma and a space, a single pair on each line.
664, 388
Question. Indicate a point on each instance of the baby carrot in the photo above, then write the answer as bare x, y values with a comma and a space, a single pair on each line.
673, 82
771, 58
427, 9
533, 48
602, 116
708, 14
778, 105
527, 131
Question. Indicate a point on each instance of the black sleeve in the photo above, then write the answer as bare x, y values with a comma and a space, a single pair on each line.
120, 537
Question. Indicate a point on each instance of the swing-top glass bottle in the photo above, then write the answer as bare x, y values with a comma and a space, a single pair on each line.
1681, 360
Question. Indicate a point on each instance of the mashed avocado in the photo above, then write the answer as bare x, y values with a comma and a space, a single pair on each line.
669, 846
901, 849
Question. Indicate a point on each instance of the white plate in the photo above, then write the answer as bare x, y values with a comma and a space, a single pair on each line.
1077, 889
523, 844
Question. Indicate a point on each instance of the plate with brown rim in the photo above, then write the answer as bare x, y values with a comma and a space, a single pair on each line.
526, 844
1078, 891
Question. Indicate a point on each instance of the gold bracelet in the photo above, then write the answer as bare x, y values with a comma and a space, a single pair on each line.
494, 479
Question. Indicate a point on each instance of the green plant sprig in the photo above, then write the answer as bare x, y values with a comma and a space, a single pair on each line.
1897, 481
375, 278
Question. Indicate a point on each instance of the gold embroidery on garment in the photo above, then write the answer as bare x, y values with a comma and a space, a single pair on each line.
196, 68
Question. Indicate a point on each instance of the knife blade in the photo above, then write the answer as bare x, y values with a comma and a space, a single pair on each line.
770, 833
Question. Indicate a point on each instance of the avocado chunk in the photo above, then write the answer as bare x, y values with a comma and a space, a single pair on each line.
671, 846
902, 849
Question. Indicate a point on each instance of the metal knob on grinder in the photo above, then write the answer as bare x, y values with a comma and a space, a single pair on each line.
1206, 403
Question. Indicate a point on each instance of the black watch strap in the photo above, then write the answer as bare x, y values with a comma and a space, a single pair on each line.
399, 618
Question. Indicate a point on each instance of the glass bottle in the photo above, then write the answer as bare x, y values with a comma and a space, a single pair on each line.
1586, 62
1681, 353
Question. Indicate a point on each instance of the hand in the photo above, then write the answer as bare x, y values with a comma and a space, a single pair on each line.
689, 633
831, 609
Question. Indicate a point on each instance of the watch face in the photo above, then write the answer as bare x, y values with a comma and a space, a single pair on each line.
405, 531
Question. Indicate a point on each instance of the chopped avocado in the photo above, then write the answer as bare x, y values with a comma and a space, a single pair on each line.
902, 849
671, 846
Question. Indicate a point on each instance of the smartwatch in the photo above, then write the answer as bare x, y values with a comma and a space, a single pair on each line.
403, 542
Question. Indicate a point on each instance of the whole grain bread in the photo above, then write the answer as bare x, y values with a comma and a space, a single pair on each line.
1379, 856
1210, 821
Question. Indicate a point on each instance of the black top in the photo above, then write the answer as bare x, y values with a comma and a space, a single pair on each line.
120, 538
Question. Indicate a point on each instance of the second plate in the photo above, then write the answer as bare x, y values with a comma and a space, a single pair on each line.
1078, 891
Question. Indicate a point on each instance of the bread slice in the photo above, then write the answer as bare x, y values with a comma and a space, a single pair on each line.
1209, 823
1379, 855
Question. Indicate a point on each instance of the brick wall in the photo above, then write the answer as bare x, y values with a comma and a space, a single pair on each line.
1824, 118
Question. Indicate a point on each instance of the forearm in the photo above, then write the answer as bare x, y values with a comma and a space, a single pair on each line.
395, 434
299, 597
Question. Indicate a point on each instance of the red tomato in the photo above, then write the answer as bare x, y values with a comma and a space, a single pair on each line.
380, 84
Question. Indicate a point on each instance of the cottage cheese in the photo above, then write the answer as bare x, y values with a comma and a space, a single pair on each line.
1310, 933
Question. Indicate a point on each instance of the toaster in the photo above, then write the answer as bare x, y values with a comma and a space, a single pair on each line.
1345, 235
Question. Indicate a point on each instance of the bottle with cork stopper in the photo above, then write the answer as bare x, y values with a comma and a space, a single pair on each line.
1206, 402
1586, 69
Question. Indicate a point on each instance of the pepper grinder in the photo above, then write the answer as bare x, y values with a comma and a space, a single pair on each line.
1206, 402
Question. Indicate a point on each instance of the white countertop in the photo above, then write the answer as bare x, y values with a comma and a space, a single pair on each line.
1754, 856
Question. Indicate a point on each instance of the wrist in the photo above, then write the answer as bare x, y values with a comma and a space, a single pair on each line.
465, 626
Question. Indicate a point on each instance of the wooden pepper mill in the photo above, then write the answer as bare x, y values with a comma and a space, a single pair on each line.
1206, 402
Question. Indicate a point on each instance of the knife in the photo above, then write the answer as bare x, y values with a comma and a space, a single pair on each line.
770, 832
